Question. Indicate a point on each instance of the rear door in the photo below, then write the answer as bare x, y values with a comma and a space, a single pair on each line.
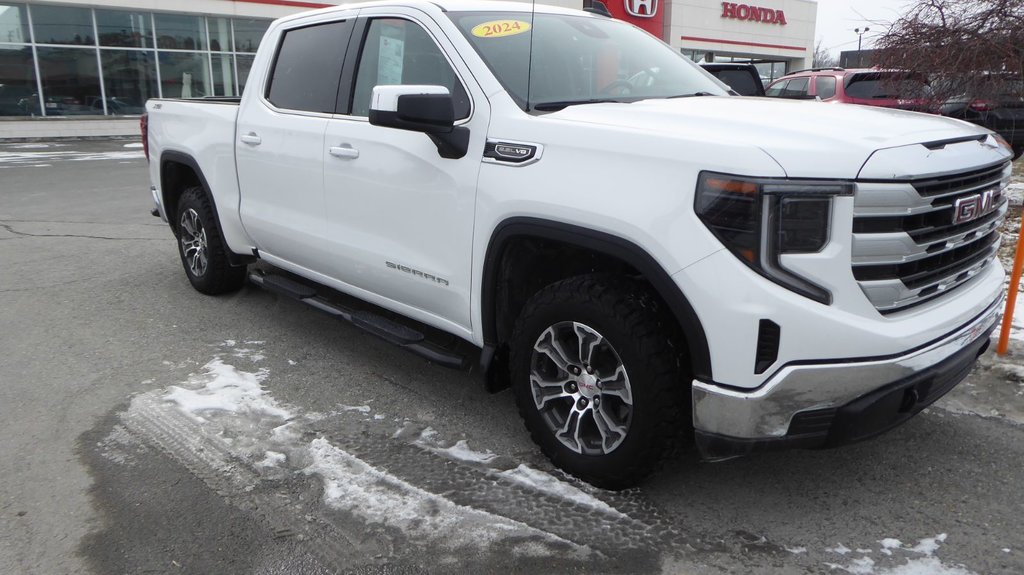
399, 216
280, 140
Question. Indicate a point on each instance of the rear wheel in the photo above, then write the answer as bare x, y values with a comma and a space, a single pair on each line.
599, 379
201, 247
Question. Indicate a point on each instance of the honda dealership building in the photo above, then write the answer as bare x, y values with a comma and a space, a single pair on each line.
107, 57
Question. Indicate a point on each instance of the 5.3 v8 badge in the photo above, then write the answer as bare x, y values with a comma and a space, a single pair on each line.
973, 207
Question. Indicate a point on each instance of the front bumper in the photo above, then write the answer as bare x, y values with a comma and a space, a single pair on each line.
808, 405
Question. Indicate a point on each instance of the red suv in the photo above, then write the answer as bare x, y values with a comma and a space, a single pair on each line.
869, 87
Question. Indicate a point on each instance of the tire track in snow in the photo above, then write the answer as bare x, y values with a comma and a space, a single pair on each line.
226, 448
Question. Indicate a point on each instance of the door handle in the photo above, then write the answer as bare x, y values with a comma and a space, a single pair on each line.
344, 151
251, 138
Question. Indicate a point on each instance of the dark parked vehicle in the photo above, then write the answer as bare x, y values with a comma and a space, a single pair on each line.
867, 87
1002, 113
744, 79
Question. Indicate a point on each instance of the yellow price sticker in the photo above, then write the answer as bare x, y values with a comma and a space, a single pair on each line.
500, 28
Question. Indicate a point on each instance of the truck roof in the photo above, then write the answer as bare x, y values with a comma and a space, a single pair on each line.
449, 6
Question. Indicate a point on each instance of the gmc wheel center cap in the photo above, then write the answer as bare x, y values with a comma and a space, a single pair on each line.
587, 384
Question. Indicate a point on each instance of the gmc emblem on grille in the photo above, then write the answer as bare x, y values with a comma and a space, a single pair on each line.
973, 207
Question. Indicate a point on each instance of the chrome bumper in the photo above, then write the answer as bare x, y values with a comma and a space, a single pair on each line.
766, 412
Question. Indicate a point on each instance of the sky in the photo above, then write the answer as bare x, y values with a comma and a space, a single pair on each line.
838, 18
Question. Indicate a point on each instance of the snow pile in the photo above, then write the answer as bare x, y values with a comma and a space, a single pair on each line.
272, 459
546, 483
222, 387
351, 485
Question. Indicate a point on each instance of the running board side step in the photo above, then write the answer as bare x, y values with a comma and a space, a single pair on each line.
378, 325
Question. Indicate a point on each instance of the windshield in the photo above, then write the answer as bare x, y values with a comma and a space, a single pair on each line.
579, 59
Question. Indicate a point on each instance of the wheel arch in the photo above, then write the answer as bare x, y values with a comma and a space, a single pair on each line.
592, 241
178, 172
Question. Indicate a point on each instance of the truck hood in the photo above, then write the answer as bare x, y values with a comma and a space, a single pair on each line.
808, 139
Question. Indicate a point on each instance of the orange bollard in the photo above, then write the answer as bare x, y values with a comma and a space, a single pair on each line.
1011, 297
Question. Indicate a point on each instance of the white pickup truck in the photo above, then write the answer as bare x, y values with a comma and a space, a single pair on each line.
644, 258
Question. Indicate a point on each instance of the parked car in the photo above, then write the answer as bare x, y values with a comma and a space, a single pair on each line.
642, 256
1002, 113
744, 79
868, 87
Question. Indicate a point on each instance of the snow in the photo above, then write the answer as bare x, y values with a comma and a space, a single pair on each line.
862, 566
839, 548
547, 483
30, 146
888, 544
222, 387
352, 485
927, 565
134, 145
796, 550
1015, 192
359, 408
929, 545
272, 459
462, 452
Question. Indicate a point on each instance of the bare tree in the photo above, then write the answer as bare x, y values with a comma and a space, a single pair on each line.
822, 57
967, 47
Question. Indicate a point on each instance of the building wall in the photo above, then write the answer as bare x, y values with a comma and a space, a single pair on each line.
699, 25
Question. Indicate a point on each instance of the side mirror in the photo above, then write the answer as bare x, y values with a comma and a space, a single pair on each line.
427, 109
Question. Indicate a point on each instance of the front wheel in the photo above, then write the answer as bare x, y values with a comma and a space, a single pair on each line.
599, 378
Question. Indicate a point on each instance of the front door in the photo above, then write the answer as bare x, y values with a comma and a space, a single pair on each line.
399, 216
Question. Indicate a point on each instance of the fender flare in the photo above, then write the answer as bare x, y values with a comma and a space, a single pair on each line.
604, 243
168, 156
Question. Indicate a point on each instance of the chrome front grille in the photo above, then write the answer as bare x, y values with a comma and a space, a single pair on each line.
907, 249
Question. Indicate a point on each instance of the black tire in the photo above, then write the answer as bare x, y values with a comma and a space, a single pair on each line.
202, 249
644, 340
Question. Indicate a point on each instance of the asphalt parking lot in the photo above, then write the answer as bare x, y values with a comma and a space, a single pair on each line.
150, 429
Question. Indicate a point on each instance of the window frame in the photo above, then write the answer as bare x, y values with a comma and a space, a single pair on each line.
264, 94
354, 55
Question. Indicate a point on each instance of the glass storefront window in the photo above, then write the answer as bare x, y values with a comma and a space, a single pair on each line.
244, 64
180, 32
184, 75
223, 75
124, 29
129, 78
88, 54
13, 24
248, 34
18, 94
63, 25
71, 82
220, 34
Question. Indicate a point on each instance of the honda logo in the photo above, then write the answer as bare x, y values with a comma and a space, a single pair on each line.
973, 207
641, 8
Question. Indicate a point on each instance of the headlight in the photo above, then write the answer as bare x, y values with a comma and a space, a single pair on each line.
760, 219
1002, 142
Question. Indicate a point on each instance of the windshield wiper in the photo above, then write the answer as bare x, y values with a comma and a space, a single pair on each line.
690, 95
558, 105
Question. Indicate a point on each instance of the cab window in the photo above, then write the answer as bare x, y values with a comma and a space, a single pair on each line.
307, 67
400, 52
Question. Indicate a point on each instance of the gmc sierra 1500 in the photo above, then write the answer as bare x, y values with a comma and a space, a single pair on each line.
641, 256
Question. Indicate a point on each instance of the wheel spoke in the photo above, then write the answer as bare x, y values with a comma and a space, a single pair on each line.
611, 433
543, 392
588, 341
569, 434
548, 345
618, 385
